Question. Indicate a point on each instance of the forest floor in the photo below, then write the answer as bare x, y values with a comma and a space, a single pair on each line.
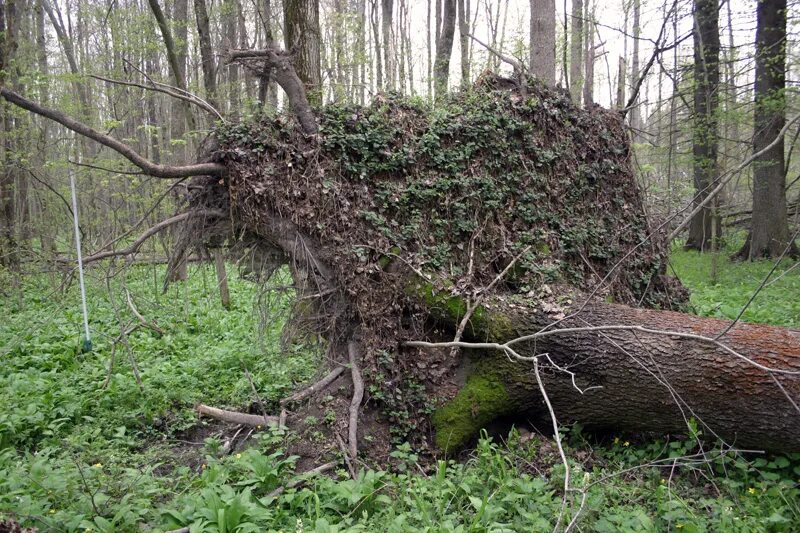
78, 456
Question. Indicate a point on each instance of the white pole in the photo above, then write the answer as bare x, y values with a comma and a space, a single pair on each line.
87, 343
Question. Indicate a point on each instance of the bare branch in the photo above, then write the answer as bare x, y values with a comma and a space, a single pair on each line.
134, 247
235, 416
261, 61
166, 89
150, 168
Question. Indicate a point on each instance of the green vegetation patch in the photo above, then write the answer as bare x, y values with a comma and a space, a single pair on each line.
482, 399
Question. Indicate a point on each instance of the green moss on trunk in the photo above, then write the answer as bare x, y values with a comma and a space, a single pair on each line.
482, 399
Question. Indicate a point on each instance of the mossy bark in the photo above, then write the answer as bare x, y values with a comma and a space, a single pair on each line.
632, 381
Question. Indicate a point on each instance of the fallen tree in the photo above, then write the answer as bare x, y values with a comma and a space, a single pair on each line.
423, 243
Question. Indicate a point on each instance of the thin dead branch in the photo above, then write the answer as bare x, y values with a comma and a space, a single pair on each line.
236, 417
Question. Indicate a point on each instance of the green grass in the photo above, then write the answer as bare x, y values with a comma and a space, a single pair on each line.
77, 457
778, 303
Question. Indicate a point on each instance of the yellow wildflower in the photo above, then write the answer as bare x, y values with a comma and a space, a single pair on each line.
616, 440
52, 511
751, 490
97, 465
238, 456
626, 444
679, 526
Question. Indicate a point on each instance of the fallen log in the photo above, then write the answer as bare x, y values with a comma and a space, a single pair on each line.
613, 367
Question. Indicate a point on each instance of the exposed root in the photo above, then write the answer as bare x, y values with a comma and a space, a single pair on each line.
316, 387
236, 417
345, 454
355, 403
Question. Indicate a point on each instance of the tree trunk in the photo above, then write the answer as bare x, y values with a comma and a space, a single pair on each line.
644, 382
302, 39
636, 113
543, 40
222, 278
704, 134
387, 21
576, 52
444, 49
588, 86
769, 231
206, 52
463, 34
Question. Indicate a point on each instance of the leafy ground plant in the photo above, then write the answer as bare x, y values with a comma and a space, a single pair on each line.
75, 456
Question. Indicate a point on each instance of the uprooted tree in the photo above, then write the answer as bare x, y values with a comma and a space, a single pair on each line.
460, 261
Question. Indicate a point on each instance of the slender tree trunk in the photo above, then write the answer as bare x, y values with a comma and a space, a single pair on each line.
302, 37
377, 39
576, 52
206, 52
621, 83
464, 40
9, 14
230, 21
704, 135
769, 230
173, 55
636, 113
543, 40
222, 278
444, 50
387, 23
588, 86
430, 50
361, 51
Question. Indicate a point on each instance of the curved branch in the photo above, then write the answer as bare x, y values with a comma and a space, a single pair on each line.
202, 104
286, 76
134, 247
150, 168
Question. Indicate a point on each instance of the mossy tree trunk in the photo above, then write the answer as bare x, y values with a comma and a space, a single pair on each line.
632, 380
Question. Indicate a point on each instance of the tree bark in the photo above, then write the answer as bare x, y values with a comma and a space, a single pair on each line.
543, 40
576, 52
387, 21
222, 279
588, 86
444, 49
302, 36
206, 52
646, 382
704, 135
463, 34
173, 57
769, 231
636, 113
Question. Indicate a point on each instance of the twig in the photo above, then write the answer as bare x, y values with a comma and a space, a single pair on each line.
258, 397
505, 346
192, 99
518, 67
760, 287
472, 306
292, 484
557, 437
138, 315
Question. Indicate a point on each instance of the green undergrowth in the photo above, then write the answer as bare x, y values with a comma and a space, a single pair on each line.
77, 457
778, 303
